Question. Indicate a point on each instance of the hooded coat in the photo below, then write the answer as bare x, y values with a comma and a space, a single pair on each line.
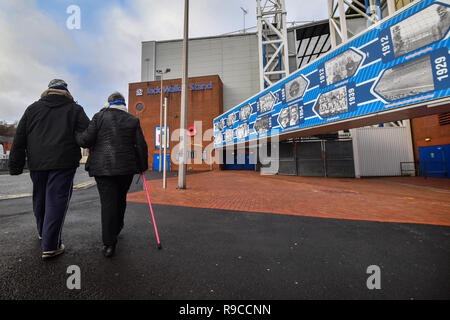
45, 135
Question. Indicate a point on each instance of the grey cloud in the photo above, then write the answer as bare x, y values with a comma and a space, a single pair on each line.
34, 49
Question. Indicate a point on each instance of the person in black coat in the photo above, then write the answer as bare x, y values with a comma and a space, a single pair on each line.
117, 151
45, 136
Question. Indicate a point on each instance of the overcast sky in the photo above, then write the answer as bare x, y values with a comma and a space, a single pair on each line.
104, 54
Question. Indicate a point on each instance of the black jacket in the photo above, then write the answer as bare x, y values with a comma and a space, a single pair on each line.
46, 135
116, 144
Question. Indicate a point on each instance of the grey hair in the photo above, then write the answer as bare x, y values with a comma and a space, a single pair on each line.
116, 96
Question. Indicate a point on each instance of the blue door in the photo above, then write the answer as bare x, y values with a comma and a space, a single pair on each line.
241, 162
435, 161
156, 162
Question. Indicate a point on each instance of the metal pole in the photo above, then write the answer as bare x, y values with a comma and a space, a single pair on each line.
260, 46
330, 22
391, 7
284, 32
165, 142
184, 102
343, 21
244, 12
160, 121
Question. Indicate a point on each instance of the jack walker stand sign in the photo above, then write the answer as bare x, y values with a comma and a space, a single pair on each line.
401, 61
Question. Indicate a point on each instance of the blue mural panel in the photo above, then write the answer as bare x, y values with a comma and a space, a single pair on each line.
399, 62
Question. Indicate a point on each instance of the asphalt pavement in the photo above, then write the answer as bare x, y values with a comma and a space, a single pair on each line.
21, 186
221, 254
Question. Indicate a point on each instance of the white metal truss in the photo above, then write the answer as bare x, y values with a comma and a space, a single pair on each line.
341, 10
272, 41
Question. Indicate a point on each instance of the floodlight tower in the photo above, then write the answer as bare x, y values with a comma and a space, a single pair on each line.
341, 10
272, 41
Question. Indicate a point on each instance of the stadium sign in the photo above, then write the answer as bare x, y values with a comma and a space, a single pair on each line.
175, 88
403, 60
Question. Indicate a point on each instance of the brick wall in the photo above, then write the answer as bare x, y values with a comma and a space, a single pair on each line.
203, 105
429, 127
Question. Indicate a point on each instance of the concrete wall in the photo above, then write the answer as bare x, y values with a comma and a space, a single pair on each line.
233, 58
148, 61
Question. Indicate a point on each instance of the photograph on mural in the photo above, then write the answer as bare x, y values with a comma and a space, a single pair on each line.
423, 28
242, 131
218, 138
262, 125
266, 102
231, 119
245, 112
229, 136
294, 115
342, 66
295, 88
218, 126
289, 116
283, 117
333, 102
408, 79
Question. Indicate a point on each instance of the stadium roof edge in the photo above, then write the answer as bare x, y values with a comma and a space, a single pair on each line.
306, 25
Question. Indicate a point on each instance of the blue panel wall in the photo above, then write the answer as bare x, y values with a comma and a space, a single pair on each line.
401, 61
156, 162
435, 161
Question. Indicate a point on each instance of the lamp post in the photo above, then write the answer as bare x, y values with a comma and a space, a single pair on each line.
184, 102
161, 73
165, 142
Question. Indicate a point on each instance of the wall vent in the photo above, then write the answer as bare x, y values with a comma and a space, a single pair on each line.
444, 119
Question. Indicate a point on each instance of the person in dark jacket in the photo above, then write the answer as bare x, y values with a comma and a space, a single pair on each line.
117, 151
45, 137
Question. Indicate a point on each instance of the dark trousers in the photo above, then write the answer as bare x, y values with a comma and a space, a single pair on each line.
52, 191
113, 197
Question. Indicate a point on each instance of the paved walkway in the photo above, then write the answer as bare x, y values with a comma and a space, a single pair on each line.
398, 199
212, 254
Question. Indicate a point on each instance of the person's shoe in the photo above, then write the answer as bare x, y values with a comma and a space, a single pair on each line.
108, 251
53, 253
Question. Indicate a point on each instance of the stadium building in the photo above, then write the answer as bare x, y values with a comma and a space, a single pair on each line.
224, 71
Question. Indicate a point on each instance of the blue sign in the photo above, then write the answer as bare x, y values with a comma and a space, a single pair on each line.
401, 61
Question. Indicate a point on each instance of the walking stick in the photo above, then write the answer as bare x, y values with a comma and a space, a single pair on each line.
151, 210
